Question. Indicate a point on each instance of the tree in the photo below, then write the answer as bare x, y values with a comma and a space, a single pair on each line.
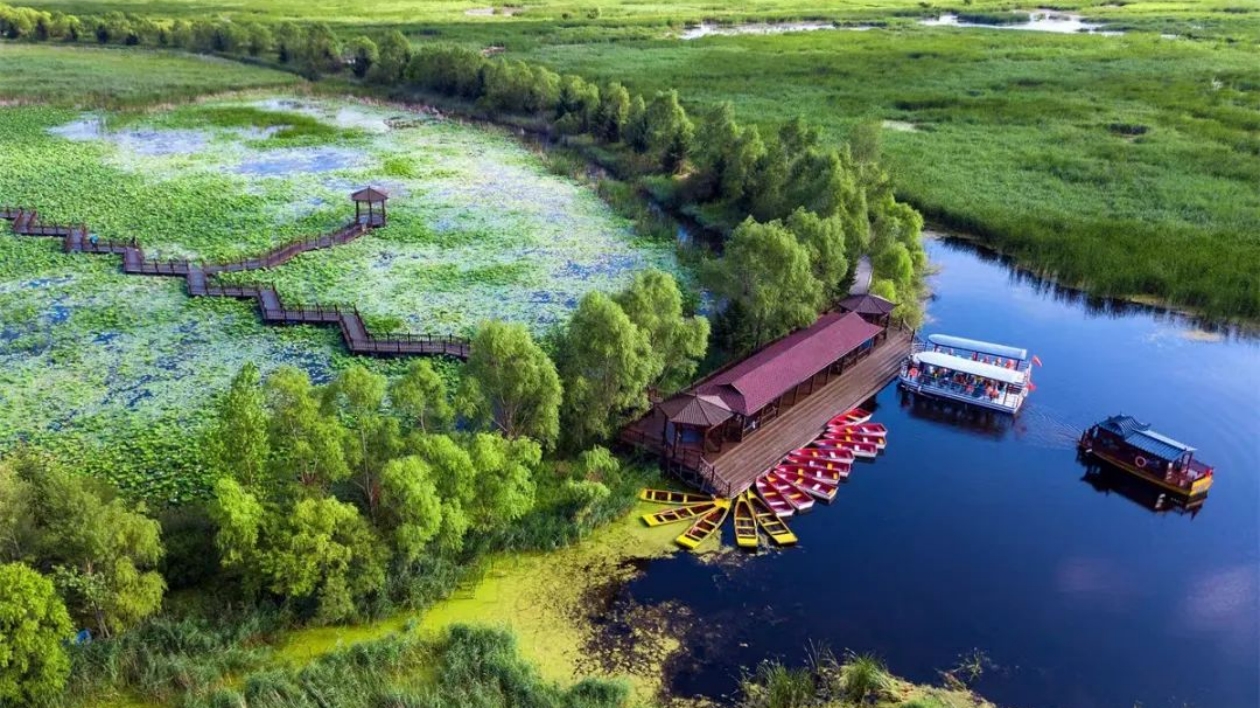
393, 55
237, 444
653, 303
102, 552
669, 131
636, 128
307, 443
259, 40
505, 484
455, 479
767, 275
320, 52
614, 112
595, 468
182, 34
323, 549
411, 507
363, 55
606, 364
420, 396
577, 105
358, 395
864, 141
289, 39
825, 241
511, 383
239, 516
34, 627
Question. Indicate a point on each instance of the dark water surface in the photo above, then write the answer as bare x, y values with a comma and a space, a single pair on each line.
967, 536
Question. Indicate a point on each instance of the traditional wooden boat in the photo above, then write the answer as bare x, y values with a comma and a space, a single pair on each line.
826, 469
878, 442
770, 522
680, 513
799, 500
1129, 445
668, 496
853, 416
745, 523
810, 485
772, 498
872, 429
705, 526
856, 448
827, 476
832, 455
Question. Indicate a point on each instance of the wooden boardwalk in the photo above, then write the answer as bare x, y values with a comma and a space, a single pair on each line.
201, 282
734, 468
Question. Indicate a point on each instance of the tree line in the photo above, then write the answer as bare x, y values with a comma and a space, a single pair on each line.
338, 501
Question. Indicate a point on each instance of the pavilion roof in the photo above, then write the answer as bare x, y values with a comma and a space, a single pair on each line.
867, 304
696, 409
370, 194
776, 369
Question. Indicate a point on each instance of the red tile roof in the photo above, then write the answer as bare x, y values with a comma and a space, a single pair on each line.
756, 381
694, 409
866, 304
370, 194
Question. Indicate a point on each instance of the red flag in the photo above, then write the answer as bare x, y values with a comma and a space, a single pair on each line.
1031, 387
1036, 360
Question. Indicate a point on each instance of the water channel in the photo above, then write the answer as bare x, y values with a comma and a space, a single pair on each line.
1081, 590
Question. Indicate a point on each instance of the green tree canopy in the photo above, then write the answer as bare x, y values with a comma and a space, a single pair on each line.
237, 444
363, 54
766, 274
393, 55
676, 343
411, 507
505, 479
606, 364
511, 383
669, 131
421, 398
34, 625
614, 113
824, 239
307, 442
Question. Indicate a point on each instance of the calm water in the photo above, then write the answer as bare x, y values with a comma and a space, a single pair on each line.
965, 536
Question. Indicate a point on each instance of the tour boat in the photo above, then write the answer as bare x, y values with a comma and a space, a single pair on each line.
879, 442
833, 475
770, 522
668, 496
773, 498
745, 523
806, 483
825, 455
828, 471
705, 526
681, 513
853, 416
872, 429
982, 374
798, 499
1127, 444
859, 449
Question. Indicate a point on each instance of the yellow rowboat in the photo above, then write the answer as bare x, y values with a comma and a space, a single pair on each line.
770, 522
745, 523
680, 513
666, 496
705, 526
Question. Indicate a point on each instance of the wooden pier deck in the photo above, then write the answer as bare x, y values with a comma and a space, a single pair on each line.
200, 282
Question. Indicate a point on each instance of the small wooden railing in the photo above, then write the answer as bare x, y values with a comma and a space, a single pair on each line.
201, 282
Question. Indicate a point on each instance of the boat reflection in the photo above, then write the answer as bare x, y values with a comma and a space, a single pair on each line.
978, 421
1108, 480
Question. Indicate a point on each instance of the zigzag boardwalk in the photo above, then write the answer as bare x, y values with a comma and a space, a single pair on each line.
200, 281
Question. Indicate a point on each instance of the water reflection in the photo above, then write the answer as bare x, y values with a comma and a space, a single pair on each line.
1107, 480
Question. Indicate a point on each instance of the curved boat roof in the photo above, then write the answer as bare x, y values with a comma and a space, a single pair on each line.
967, 366
975, 345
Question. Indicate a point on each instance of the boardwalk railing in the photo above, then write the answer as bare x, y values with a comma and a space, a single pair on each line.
201, 282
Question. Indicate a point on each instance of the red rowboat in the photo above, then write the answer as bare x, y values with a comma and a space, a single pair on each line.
826, 455
850, 437
860, 449
805, 483
833, 475
798, 499
851, 417
872, 429
773, 498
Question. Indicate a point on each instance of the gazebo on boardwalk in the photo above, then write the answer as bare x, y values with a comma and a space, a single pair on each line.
375, 199
872, 308
692, 419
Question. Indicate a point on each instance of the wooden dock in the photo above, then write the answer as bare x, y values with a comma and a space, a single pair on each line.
201, 282
733, 469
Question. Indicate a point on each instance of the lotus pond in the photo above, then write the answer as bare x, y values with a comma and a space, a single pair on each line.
479, 228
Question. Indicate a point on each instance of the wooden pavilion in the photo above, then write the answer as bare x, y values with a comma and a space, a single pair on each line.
374, 198
872, 308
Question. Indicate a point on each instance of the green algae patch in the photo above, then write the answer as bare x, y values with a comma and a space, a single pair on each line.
554, 603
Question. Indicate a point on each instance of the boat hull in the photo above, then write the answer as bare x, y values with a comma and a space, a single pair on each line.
1197, 489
